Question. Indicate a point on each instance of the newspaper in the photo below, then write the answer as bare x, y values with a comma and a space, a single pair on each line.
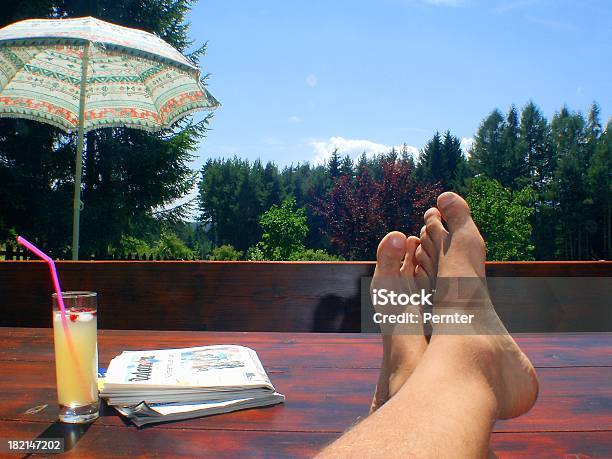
171, 384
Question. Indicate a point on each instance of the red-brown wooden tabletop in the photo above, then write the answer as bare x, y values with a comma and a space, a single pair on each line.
328, 380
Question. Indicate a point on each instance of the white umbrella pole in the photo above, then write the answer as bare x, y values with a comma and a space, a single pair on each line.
79, 157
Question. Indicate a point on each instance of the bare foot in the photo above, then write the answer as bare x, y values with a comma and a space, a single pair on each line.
396, 267
459, 252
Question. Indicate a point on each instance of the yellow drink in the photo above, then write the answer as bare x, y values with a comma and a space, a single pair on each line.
76, 358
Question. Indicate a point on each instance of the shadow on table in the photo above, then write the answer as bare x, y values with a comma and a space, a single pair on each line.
106, 410
71, 433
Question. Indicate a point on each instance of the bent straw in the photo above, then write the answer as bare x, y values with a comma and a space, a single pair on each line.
54, 278
60, 300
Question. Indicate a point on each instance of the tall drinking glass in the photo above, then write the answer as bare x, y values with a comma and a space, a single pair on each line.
76, 357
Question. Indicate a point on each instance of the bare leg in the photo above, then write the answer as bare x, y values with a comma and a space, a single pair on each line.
395, 260
462, 384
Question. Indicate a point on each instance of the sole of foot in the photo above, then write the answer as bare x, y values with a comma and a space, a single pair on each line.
457, 251
396, 268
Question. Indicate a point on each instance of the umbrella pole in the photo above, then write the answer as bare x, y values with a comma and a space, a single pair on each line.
79, 156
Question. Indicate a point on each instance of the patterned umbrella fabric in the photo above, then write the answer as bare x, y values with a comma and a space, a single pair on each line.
134, 79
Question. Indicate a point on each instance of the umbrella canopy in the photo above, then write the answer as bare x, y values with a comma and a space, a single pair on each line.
83, 74
134, 79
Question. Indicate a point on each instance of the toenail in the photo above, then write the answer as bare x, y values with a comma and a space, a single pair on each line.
448, 201
398, 242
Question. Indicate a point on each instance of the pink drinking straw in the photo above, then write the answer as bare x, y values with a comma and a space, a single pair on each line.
60, 300
56, 285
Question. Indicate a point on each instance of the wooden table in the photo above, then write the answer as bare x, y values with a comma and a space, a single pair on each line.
328, 380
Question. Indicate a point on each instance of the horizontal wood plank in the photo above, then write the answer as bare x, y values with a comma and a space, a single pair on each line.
330, 399
302, 349
264, 296
162, 441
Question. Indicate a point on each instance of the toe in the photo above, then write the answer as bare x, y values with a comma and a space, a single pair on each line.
390, 254
425, 263
428, 244
410, 262
434, 226
454, 210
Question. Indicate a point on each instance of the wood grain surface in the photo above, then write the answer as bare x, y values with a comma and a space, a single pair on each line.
276, 296
328, 380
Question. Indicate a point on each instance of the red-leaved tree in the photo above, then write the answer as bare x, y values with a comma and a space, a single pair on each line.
358, 211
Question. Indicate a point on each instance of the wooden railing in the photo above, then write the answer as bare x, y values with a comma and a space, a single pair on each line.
16, 253
266, 296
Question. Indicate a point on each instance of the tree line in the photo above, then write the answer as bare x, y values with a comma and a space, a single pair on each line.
539, 190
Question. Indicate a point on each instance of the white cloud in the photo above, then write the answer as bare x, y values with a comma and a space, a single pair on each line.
311, 80
294, 119
466, 145
352, 147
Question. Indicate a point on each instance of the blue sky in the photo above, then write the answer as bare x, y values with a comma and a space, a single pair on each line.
296, 78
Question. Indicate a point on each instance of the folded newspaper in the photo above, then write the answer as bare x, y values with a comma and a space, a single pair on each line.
173, 384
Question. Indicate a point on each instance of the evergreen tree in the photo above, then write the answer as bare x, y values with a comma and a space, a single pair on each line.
441, 161
431, 166
456, 172
333, 165
536, 151
272, 192
487, 155
569, 140
346, 166
600, 190
362, 164
406, 156
514, 170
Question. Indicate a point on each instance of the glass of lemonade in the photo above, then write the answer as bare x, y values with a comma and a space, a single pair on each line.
76, 357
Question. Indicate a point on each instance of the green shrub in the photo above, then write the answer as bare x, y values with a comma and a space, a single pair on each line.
314, 255
129, 245
171, 247
225, 253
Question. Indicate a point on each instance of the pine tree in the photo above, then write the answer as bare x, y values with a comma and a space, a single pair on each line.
600, 188
488, 155
534, 135
406, 156
346, 166
333, 165
536, 149
569, 140
362, 164
455, 162
441, 162
514, 171
432, 165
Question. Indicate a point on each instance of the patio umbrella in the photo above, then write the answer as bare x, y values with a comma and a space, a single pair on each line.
83, 74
